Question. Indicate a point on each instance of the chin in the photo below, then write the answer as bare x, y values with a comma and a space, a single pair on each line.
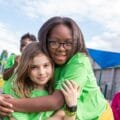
42, 83
60, 63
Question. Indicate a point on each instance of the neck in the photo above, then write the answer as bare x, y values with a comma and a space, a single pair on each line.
39, 87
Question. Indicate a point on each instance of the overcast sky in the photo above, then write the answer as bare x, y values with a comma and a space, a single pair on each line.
99, 20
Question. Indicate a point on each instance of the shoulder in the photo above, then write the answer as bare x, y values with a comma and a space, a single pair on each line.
79, 58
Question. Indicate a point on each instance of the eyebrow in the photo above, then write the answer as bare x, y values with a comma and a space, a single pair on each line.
55, 39
43, 63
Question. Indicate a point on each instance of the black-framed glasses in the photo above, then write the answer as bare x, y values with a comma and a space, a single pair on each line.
56, 44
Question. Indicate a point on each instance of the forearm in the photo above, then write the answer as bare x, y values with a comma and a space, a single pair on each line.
45, 103
8, 73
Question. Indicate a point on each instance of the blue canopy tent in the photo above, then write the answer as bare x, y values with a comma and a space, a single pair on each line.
104, 59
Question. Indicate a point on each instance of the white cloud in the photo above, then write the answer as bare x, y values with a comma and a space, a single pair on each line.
51, 7
104, 12
8, 40
107, 13
107, 41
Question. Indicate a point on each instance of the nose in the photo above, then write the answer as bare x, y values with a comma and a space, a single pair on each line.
61, 47
41, 71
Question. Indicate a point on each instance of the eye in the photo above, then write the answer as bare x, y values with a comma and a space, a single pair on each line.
69, 43
54, 42
46, 65
33, 67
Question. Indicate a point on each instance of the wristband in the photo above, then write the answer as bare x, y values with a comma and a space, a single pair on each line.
71, 111
72, 108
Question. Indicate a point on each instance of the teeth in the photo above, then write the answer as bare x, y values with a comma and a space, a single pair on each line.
60, 55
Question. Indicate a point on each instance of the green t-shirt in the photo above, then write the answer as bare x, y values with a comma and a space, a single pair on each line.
27, 116
10, 61
91, 102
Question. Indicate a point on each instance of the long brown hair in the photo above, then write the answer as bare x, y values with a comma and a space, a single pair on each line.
23, 85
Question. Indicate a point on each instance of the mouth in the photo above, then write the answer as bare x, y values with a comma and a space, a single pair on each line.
41, 78
60, 57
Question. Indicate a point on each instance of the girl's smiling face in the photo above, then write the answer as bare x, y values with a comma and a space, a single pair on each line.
41, 70
60, 44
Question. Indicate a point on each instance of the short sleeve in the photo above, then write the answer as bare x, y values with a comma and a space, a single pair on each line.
76, 69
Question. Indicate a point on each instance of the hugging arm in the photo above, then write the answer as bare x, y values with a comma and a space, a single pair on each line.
44, 103
5, 107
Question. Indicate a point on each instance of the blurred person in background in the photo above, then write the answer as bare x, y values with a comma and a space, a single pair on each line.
3, 59
13, 60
